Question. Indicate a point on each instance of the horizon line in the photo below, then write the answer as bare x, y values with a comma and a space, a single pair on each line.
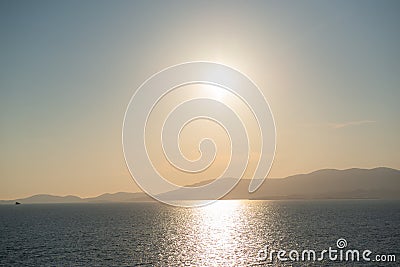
105, 193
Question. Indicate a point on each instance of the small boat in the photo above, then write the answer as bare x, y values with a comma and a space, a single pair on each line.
17, 203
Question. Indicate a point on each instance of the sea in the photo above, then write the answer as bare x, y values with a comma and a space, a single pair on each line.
225, 233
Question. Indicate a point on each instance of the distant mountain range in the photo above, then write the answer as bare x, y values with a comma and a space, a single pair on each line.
380, 183
104, 198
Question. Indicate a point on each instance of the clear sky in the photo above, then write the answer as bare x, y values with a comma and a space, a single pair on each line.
330, 71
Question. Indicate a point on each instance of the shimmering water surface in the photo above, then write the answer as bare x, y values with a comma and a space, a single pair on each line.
226, 233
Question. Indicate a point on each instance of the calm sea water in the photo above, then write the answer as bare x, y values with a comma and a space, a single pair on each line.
227, 233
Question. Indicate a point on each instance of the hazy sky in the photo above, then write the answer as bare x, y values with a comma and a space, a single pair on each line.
330, 71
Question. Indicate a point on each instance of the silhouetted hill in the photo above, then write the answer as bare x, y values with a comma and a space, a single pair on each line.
43, 198
104, 198
352, 183
119, 197
382, 183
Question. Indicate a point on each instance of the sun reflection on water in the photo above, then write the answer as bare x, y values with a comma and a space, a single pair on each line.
219, 229
224, 233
